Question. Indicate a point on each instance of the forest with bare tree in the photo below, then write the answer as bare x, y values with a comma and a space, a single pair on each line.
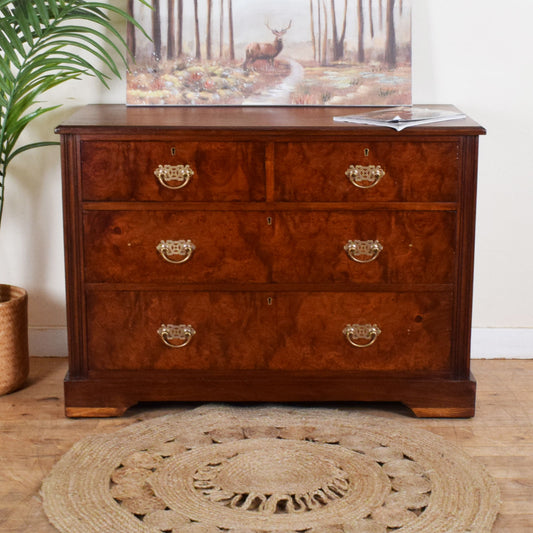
321, 35
174, 26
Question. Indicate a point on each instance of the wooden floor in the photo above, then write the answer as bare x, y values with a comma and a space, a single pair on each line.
34, 434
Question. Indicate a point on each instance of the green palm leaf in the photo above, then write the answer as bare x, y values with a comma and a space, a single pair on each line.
44, 43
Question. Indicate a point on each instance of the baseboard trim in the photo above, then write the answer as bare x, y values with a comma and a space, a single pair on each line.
48, 342
487, 343
502, 343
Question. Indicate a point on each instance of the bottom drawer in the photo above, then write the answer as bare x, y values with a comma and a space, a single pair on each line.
277, 331
366, 331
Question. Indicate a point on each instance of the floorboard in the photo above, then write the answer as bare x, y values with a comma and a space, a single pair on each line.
34, 434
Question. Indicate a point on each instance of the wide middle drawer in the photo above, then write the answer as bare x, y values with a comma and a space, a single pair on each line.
269, 246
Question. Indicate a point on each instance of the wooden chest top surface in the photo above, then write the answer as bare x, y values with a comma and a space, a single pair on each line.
317, 119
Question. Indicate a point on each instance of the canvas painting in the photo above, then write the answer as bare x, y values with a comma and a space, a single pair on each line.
275, 52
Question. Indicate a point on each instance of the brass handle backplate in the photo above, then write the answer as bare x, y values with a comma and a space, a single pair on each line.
181, 332
365, 177
369, 332
174, 173
363, 251
180, 248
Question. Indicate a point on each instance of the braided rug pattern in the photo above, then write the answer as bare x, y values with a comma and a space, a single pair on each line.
219, 469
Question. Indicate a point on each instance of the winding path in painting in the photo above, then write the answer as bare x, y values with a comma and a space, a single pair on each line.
280, 94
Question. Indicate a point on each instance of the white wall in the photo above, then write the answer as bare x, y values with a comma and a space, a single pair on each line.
476, 54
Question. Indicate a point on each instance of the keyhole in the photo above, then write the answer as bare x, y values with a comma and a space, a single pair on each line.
367, 151
269, 300
173, 151
269, 221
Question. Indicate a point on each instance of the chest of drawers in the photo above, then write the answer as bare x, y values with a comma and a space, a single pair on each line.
266, 254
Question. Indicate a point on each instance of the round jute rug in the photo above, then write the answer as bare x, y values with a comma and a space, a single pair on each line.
268, 469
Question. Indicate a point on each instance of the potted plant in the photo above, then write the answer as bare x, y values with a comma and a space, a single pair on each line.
43, 43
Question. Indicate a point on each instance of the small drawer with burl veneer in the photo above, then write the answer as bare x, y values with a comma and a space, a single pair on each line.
165, 330
366, 331
364, 247
373, 171
177, 247
172, 171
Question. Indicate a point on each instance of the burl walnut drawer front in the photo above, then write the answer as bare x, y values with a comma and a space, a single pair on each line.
374, 171
406, 332
275, 247
364, 247
166, 247
178, 330
172, 171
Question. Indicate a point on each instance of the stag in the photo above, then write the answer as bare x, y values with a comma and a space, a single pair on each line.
267, 51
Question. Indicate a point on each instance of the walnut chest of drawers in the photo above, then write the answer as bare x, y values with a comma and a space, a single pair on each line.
267, 254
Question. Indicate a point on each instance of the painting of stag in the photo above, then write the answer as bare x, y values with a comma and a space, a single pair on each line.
281, 52
267, 51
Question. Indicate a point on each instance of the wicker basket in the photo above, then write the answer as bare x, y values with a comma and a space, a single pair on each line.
14, 355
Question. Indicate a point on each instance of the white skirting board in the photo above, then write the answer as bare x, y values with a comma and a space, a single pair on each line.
487, 343
48, 342
502, 343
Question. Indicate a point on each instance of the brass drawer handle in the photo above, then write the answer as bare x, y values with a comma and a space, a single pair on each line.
361, 331
180, 173
171, 332
181, 248
358, 249
360, 174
